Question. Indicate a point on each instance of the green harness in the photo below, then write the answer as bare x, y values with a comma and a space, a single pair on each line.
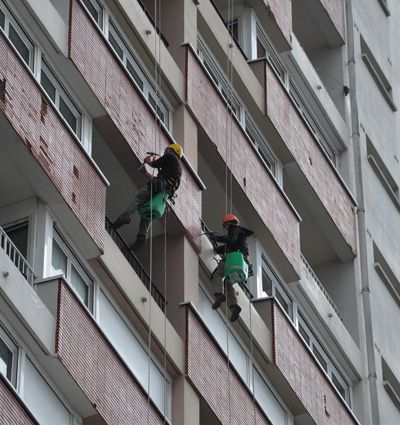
236, 270
154, 208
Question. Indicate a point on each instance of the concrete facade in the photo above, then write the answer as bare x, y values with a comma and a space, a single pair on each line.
287, 113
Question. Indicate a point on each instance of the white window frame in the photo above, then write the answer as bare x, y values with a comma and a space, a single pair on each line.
72, 261
251, 364
99, 9
111, 25
217, 76
13, 347
154, 361
9, 18
60, 92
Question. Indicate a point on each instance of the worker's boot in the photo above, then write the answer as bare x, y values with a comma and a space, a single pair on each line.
139, 242
235, 309
121, 220
219, 299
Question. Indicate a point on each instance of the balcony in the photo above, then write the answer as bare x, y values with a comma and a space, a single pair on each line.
128, 127
312, 182
262, 202
37, 164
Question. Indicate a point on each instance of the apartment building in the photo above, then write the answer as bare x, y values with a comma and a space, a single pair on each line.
287, 113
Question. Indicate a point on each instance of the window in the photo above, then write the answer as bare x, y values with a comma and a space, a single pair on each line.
60, 99
8, 356
233, 27
322, 357
390, 383
138, 74
64, 262
377, 74
16, 35
132, 350
244, 118
42, 401
18, 233
273, 287
96, 10
383, 174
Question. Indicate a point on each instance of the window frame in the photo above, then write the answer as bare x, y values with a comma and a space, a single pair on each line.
73, 261
99, 9
9, 342
129, 53
9, 18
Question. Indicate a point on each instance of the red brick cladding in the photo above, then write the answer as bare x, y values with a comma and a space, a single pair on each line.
260, 188
95, 367
207, 369
281, 12
309, 157
127, 109
336, 12
48, 140
304, 376
12, 412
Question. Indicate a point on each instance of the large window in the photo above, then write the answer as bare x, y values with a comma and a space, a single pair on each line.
64, 262
134, 353
60, 98
236, 105
8, 356
16, 35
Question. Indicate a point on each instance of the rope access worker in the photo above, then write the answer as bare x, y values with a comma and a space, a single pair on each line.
234, 240
167, 180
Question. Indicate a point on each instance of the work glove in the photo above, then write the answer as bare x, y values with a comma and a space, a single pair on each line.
148, 159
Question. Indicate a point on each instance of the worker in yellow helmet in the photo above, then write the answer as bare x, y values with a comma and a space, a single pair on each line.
234, 240
167, 180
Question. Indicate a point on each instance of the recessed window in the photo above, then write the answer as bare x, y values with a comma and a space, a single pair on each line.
16, 35
338, 384
96, 10
233, 27
63, 261
18, 233
8, 356
134, 74
60, 98
115, 44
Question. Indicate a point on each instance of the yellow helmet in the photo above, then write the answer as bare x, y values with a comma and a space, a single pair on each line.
176, 148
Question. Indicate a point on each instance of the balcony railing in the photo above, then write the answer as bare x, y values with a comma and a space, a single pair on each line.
244, 286
311, 274
135, 263
16, 257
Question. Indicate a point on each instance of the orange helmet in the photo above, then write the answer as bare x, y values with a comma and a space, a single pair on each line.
230, 218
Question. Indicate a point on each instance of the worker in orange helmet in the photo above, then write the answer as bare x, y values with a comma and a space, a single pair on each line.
234, 240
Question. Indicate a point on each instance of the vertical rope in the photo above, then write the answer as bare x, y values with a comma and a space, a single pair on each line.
252, 366
165, 318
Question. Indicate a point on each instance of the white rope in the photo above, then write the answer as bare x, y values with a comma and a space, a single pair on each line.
252, 366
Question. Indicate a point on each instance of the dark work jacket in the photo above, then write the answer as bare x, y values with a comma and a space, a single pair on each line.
235, 240
169, 169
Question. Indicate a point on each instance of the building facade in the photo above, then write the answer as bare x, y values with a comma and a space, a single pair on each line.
287, 113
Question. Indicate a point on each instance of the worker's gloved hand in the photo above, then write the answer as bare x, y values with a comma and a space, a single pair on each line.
210, 234
148, 159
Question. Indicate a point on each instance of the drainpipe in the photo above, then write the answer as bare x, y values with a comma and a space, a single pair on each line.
365, 291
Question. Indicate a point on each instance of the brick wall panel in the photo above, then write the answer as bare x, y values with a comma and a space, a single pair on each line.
218, 384
302, 373
129, 112
310, 159
260, 188
51, 144
12, 412
94, 366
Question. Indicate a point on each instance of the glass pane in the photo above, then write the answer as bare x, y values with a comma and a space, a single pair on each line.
115, 45
282, 301
320, 358
68, 115
134, 74
2, 19
266, 283
79, 285
18, 43
261, 52
338, 386
58, 260
5, 360
304, 334
234, 28
92, 10
19, 235
48, 86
